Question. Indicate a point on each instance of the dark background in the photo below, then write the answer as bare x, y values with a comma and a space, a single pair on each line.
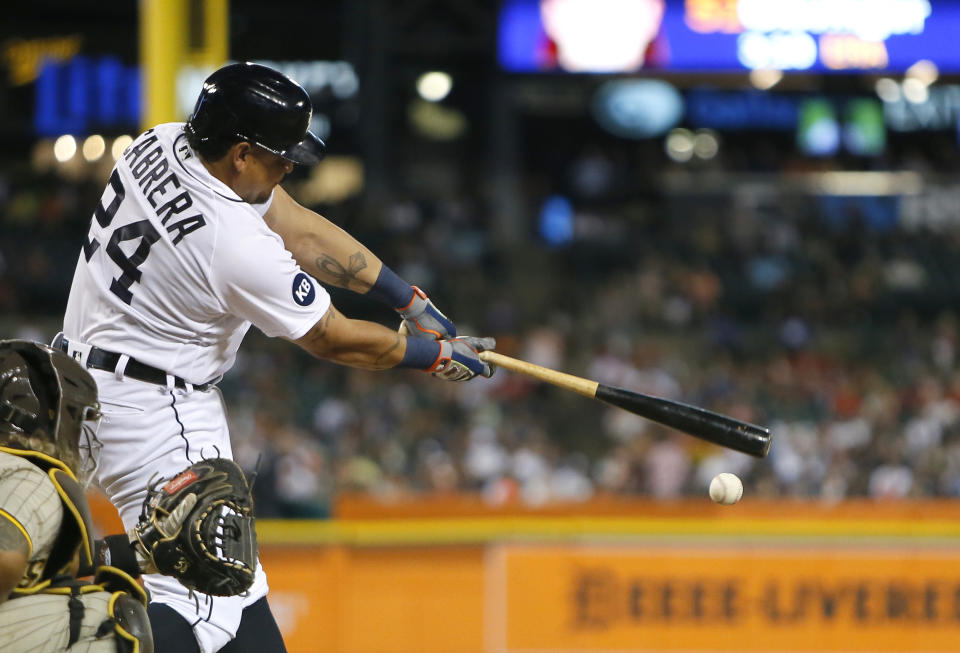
725, 282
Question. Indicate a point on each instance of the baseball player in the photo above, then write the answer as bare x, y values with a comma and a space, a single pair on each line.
192, 242
46, 402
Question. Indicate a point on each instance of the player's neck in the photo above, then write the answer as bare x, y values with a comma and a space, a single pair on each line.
222, 170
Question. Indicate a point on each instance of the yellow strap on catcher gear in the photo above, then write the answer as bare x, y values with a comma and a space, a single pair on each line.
131, 623
113, 579
76, 531
41, 460
76, 528
121, 617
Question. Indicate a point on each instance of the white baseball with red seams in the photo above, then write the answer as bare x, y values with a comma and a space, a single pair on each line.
726, 488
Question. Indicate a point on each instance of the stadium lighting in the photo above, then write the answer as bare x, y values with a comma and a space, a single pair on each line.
679, 145
915, 91
924, 71
434, 86
887, 90
119, 145
705, 144
765, 78
94, 147
64, 148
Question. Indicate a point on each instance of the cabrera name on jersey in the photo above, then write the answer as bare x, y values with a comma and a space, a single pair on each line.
173, 252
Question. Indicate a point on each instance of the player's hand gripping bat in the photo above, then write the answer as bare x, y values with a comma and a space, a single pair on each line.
698, 422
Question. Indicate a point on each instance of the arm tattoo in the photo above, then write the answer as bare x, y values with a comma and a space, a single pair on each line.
344, 277
11, 538
319, 330
396, 343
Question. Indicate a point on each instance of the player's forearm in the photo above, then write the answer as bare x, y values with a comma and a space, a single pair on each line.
378, 356
323, 249
12, 566
369, 345
356, 343
14, 555
334, 257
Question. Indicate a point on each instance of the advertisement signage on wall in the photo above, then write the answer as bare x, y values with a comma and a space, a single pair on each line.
83, 95
608, 598
726, 35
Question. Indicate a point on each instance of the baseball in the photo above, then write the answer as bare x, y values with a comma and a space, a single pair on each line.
726, 488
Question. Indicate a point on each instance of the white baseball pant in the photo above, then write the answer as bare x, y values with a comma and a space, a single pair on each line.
150, 431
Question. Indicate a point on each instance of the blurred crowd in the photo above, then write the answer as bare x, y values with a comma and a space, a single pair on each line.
831, 320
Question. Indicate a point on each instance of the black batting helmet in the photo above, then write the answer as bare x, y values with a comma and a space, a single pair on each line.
45, 398
257, 104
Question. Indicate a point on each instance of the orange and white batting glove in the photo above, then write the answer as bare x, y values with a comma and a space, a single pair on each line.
424, 320
459, 359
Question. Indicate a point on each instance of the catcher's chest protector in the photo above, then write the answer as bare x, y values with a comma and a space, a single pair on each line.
76, 530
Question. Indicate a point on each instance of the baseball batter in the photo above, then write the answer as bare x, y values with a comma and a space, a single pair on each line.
192, 242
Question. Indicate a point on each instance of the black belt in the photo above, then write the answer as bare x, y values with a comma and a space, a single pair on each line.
100, 359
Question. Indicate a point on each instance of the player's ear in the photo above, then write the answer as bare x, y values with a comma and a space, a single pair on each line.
241, 154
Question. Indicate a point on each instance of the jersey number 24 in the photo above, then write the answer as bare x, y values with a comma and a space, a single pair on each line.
142, 229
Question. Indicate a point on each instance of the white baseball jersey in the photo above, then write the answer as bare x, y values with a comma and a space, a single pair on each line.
176, 266
175, 269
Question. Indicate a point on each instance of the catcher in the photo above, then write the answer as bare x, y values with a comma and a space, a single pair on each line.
198, 527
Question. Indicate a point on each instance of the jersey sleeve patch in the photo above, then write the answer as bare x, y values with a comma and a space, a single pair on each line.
303, 291
259, 281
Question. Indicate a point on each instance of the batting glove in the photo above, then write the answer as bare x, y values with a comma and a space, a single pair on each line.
459, 359
423, 320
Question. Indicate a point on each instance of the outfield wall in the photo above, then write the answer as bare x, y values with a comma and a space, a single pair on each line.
621, 576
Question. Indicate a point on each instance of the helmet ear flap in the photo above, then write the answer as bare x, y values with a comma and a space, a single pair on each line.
211, 121
211, 129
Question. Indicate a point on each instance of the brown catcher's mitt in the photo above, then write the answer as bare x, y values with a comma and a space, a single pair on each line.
214, 551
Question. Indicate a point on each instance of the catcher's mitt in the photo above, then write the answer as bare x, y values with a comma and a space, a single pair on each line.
214, 549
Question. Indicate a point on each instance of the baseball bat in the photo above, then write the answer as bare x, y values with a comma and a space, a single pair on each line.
698, 422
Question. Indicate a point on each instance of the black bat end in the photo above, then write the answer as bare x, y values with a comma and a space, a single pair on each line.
764, 437
698, 422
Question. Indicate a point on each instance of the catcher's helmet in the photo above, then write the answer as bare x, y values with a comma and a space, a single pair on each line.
257, 104
45, 397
